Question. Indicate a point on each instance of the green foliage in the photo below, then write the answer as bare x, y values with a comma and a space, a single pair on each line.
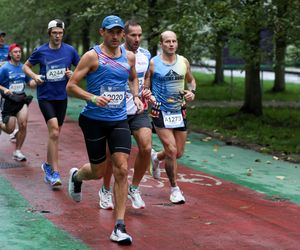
293, 56
275, 131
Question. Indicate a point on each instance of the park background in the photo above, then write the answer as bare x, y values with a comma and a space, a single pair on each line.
240, 35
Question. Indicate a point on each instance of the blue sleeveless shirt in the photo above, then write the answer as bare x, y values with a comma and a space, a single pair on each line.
110, 79
167, 83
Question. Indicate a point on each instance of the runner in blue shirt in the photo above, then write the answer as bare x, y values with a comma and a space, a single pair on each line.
15, 106
55, 59
3, 48
3, 60
103, 120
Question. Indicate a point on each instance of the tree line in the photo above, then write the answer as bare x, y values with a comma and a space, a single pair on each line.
204, 29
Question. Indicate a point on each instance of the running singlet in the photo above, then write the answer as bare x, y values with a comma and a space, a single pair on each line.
53, 64
110, 79
167, 83
13, 78
142, 60
3, 54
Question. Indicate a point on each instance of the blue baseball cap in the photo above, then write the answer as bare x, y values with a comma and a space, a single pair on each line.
110, 22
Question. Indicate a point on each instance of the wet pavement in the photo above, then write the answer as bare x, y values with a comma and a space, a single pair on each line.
236, 199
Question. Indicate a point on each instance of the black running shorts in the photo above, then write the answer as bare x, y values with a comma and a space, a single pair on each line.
159, 123
13, 104
139, 121
54, 108
97, 133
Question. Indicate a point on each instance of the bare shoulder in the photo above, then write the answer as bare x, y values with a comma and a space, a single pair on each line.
186, 61
90, 55
89, 59
151, 66
131, 57
130, 54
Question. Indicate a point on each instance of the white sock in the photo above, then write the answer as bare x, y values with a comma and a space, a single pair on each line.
174, 188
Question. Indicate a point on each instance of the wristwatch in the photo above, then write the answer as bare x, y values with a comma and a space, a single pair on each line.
193, 91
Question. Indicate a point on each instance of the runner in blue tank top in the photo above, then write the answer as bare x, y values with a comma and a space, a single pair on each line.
103, 121
170, 75
55, 60
139, 124
16, 102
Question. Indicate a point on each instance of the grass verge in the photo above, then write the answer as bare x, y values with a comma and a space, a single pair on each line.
275, 132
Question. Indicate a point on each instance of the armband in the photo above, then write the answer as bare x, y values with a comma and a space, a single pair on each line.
93, 99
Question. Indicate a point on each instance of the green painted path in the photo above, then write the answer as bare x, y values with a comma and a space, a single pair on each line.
22, 227
279, 180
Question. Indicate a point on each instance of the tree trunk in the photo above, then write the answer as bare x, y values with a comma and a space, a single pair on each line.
219, 71
154, 23
253, 93
279, 69
280, 46
152, 48
253, 97
85, 38
67, 21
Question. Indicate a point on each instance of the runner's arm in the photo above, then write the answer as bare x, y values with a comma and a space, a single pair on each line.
32, 83
146, 91
27, 68
147, 82
191, 83
134, 82
88, 63
5, 90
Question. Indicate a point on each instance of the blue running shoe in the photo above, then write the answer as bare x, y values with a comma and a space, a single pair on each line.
55, 181
48, 172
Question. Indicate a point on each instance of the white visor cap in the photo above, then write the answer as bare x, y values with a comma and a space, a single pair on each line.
56, 23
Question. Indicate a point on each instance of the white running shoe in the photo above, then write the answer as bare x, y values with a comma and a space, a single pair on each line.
135, 196
18, 156
155, 165
176, 196
74, 188
120, 235
106, 199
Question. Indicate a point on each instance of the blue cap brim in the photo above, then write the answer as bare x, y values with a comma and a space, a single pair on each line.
109, 27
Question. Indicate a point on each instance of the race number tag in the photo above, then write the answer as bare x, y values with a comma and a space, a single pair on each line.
55, 73
116, 94
16, 87
173, 120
